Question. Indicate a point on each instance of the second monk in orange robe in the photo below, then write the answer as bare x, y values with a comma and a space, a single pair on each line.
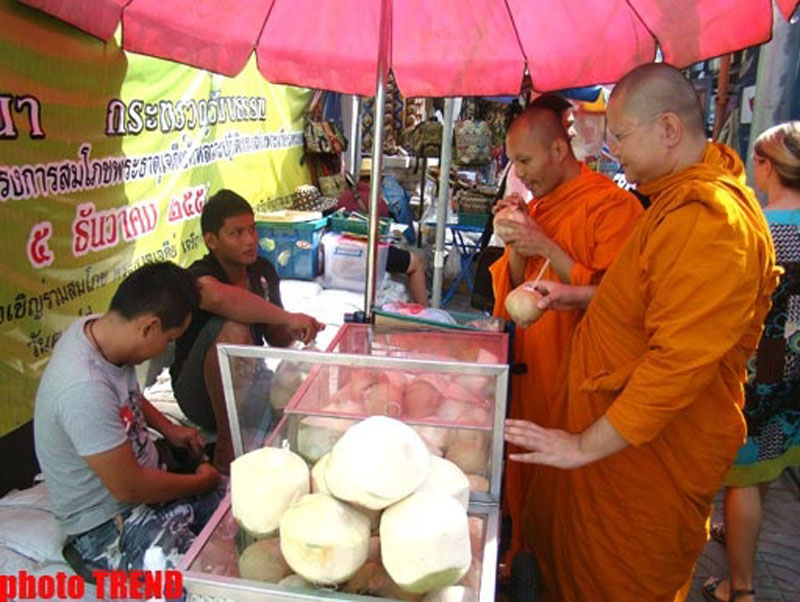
579, 221
652, 419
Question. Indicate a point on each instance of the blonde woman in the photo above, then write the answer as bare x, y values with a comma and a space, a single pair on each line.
772, 407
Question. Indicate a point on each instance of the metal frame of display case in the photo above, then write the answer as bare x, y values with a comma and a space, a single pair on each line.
205, 587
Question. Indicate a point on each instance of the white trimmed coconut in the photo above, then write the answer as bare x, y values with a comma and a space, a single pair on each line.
318, 475
294, 581
377, 462
425, 542
264, 483
316, 435
324, 540
288, 378
454, 593
446, 478
263, 561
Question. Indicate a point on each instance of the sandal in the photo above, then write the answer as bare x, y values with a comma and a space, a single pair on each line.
717, 532
710, 591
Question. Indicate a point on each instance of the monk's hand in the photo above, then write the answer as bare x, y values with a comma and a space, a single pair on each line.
527, 239
550, 447
564, 297
513, 200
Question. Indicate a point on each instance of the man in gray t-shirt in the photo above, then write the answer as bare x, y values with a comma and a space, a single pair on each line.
90, 429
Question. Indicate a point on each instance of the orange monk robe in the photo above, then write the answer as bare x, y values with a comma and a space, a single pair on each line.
590, 218
661, 353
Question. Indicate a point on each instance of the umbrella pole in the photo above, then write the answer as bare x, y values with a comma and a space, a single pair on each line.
354, 152
443, 201
377, 158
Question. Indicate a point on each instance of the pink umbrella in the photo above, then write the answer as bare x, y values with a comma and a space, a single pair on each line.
434, 47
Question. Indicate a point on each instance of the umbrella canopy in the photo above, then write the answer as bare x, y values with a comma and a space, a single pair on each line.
436, 47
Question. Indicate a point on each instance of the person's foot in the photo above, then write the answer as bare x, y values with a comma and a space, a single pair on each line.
719, 590
717, 532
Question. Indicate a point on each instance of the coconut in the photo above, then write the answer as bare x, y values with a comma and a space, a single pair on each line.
471, 458
377, 462
522, 304
384, 399
288, 378
446, 478
434, 437
264, 483
511, 213
454, 593
294, 581
263, 561
421, 399
324, 540
478, 483
318, 476
316, 435
425, 542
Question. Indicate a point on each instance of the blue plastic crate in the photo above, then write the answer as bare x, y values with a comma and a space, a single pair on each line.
292, 247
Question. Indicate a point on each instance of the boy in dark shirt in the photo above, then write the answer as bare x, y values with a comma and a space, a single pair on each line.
240, 303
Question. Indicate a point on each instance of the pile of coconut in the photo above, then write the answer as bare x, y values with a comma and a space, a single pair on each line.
378, 515
427, 399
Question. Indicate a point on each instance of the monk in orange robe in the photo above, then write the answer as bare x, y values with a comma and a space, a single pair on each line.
652, 418
579, 220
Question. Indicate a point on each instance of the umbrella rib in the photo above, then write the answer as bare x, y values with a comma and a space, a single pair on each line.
643, 22
516, 31
263, 26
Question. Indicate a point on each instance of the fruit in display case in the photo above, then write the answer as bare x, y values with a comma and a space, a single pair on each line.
264, 483
324, 540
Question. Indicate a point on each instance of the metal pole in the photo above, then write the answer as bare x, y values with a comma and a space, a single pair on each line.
443, 201
723, 79
354, 151
377, 157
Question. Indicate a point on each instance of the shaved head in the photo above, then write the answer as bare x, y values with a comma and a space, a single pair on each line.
543, 125
659, 88
539, 146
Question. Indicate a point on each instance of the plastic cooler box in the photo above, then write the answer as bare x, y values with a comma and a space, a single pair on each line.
346, 262
292, 247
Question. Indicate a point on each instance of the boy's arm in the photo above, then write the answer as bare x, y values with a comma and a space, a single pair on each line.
129, 482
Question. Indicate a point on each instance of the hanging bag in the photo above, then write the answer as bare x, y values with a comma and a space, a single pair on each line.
473, 142
322, 135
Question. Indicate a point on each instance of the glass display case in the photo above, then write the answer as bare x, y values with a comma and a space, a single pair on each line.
305, 401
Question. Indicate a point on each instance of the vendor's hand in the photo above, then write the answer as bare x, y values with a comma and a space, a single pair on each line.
209, 473
513, 200
564, 297
304, 327
185, 436
527, 239
550, 447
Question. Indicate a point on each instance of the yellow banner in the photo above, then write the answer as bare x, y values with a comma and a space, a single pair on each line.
106, 160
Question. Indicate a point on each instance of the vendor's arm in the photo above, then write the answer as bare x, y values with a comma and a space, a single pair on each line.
177, 435
553, 447
241, 305
129, 482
